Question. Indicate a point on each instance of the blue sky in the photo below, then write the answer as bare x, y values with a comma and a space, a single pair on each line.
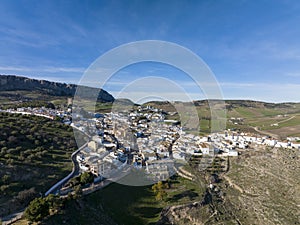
253, 47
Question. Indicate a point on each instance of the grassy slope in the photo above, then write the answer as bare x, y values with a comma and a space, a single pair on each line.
255, 114
136, 205
126, 204
35, 152
10, 99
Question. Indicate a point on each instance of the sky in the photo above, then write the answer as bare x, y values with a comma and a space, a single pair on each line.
252, 47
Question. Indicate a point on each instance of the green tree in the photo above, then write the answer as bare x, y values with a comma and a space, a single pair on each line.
37, 210
37, 142
159, 190
26, 196
4, 188
57, 118
78, 191
5, 179
10, 161
86, 178
54, 202
160, 195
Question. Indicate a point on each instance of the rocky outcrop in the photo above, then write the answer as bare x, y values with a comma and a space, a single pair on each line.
14, 83
189, 213
180, 214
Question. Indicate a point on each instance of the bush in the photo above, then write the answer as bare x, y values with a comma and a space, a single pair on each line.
4, 150
26, 195
86, 178
5, 179
159, 191
54, 202
37, 210
3, 188
78, 191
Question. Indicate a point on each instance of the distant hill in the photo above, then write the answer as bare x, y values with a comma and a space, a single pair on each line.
278, 119
230, 104
10, 83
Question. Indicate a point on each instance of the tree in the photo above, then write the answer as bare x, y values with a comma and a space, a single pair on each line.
160, 195
50, 105
5, 179
4, 188
10, 161
26, 195
74, 181
37, 210
86, 178
159, 191
78, 191
54, 202
57, 118
12, 139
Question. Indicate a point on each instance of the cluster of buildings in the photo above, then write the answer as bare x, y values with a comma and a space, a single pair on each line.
236, 120
137, 140
244, 140
102, 158
143, 140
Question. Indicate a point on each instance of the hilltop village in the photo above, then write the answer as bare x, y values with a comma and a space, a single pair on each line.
144, 140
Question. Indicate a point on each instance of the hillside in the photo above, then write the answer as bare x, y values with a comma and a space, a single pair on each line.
275, 119
122, 204
233, 199
18, 88
43, 158
259, 188
34, 154
280, 120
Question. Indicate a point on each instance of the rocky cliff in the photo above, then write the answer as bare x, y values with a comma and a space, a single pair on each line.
15, 83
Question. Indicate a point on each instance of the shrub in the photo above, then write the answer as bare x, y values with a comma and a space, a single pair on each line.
37, 210
5, 179
26, 195
86, 178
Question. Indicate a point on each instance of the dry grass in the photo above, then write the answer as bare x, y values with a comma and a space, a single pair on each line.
271, 186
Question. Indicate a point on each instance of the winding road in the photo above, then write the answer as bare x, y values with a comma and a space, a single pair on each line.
9, 219
75, 172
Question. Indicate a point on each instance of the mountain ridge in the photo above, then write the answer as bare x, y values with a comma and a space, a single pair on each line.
19, 82
15, 83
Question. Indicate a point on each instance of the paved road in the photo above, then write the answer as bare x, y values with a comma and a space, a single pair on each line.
55, 187
75, 172
12, 217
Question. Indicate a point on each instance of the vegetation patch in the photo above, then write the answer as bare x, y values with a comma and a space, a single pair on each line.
34, 155
121, 204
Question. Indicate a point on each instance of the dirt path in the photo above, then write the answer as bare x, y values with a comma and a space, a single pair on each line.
266, 133
292, 117
235, 186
